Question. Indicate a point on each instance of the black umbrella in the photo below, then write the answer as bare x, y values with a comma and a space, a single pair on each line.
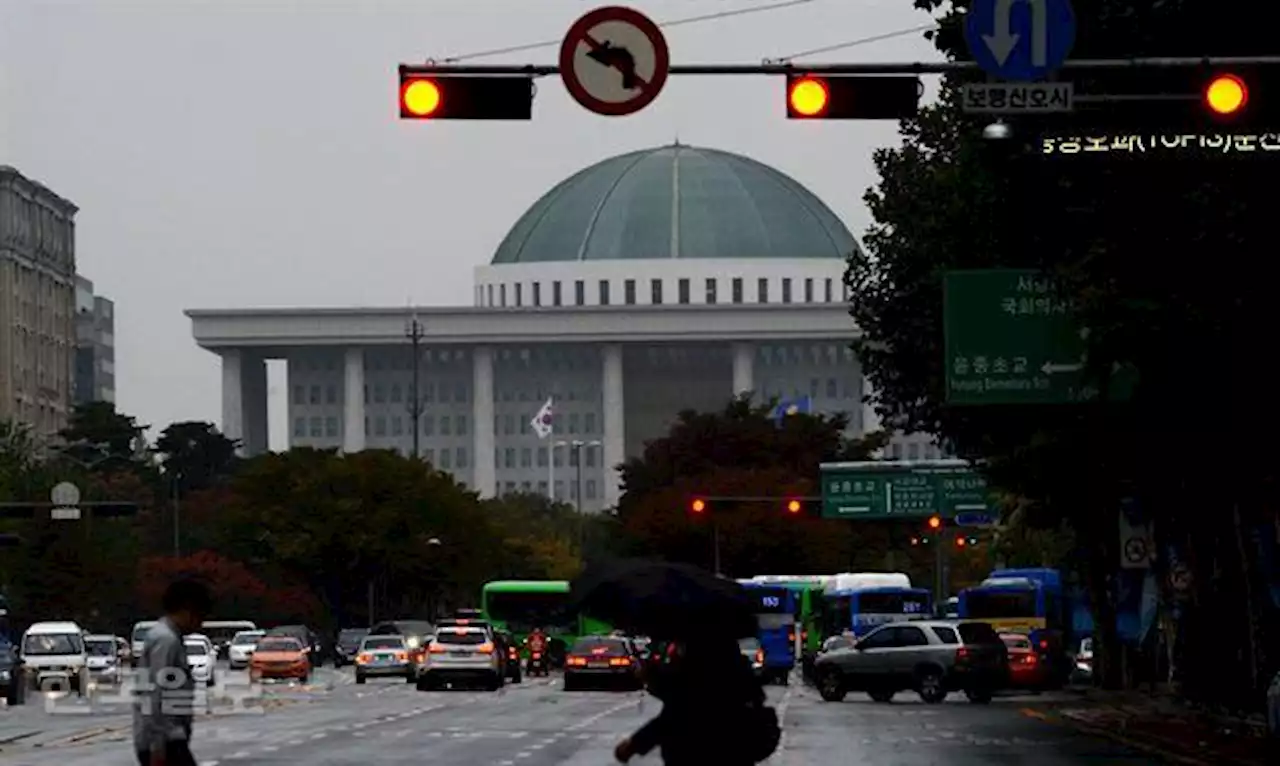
663, 600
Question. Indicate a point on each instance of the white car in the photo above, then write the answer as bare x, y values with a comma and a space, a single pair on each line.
103, 659
240, 651
201, 658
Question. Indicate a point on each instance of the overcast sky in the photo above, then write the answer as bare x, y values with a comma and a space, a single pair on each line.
242, 153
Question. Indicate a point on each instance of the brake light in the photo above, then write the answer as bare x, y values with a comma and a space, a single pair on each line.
760, 656
1044, 644
600, 650
791, 638
620, 662
402, 656
962, 654
364, 659
537, 655
464, 622
437, 649
576, 662
1030, 659
485, 648
512, 653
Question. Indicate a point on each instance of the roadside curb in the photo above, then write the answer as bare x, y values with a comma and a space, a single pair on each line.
1150, 745
82, 736
13, 738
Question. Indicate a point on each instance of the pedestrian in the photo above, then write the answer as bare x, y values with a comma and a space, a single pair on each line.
165, 703
713, 709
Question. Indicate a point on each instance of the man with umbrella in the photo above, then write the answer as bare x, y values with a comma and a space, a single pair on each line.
713, 707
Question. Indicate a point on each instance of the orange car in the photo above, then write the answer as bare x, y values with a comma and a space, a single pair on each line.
1026, 669
280, 657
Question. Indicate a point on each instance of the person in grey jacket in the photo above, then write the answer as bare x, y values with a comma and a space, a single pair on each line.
165, 696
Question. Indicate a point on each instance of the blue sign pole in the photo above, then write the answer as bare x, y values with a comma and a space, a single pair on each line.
1020, 40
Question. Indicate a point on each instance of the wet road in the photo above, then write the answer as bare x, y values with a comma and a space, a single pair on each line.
537, 723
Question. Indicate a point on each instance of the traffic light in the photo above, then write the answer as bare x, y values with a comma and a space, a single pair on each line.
915, 541
852, 97
962, 542
1226, 95
456, 97
794, 506
935, 522
698, 505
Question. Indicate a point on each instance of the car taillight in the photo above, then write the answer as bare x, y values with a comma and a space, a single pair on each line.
402, 656
364, 659
512, 653
791, 638
620, 662
600, 650
1030, 659
576, 662
962, 654
536, 655
437, 649
760, 656
485, 648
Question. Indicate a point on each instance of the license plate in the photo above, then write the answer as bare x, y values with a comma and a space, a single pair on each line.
459, 654
597, 664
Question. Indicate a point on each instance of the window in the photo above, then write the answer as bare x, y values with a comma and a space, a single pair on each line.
946, 635
827, 298
314, 397
489, 291
542, 488
317, 427
555, 293
509, 457
537, 293
591, 457
655, 292
331, 427
711, 292
462, 425
379, 393
786, 290
762, 290
579, 292
460, 457
519, 294
526, 458
299, 426
737, 290
591, 489
397, 426
682, 289
428, 425
833, 389
604, 292
913, 451
380, 426
909, 636
880, 639
299, 394
396, 395
629, 292
509, 424
573, 422
808, 291
446, 458
589, 423
446, 425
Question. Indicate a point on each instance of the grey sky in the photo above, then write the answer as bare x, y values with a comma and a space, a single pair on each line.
236, 153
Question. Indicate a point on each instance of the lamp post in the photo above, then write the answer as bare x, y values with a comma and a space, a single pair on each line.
413, 330
575, 447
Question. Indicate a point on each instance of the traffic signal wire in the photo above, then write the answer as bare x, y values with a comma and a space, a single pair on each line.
853, 43
776, 6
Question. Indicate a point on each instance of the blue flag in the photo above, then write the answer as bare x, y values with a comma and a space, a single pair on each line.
799, 406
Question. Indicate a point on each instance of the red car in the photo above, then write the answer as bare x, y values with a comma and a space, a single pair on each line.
1026, 669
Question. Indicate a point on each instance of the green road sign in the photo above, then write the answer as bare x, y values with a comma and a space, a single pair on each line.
1011, 339
881, 490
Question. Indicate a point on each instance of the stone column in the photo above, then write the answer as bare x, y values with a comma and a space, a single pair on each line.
244, 400
613, 450
233, 398
744, 363
353, 400
484, 474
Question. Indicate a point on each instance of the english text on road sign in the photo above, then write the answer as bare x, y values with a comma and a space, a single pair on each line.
974, 519
901, 491
1015, 98
614, 61
1011, 337
852, 97
470, 97
1020, 39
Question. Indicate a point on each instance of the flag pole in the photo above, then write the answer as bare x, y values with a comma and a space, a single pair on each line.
551, 453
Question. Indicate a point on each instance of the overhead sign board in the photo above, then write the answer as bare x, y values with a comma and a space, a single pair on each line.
1018, 98
1022, 40
614, 61
892, 490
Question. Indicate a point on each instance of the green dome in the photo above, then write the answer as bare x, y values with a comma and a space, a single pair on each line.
676, 202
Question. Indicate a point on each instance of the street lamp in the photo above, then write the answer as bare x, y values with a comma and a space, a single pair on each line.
575, 446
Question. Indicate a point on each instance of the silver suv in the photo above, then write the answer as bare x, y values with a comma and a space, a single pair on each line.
461, 655
932, 658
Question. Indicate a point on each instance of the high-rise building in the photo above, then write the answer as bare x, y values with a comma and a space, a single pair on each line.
37, 302
95, 355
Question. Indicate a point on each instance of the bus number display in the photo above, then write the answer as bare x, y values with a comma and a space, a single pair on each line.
912, 607
770, 602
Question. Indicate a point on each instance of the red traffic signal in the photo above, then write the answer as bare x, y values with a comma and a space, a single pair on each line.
457, 97
698, 505
1226, 95
961, 542
794, 506
935, 522
852, 97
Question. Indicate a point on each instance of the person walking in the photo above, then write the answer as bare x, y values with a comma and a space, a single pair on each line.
165, 698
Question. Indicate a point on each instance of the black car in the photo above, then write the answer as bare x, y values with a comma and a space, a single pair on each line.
347, 645
307, 636
602, 661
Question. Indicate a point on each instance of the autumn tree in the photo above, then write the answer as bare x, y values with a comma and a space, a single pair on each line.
238, 592
1111, 233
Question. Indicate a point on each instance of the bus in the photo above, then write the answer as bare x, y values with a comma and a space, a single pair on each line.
861, 602
1029, 601
518, 606
808, 601
775, 610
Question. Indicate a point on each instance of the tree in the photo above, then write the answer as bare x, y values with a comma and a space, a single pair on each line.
943, 201
196, 454
98, 435
238, 592
541, 538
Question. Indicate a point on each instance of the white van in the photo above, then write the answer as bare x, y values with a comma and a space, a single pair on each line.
54, 655
136, 639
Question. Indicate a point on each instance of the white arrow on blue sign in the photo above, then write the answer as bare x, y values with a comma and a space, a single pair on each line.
1021, 40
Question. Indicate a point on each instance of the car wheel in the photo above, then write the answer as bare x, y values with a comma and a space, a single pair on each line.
517, 678
831, 685
881, 695
360, 678
570, 685
929, 686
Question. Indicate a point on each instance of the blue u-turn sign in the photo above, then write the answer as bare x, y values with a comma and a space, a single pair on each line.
1020, 40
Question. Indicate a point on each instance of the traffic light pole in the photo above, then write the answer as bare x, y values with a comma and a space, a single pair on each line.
939, 569
882, 68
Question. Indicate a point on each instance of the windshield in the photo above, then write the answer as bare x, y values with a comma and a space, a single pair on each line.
750, 645
523, 611
383, 642
196, 649
464, 638
246, 639
989, 605
893, 603
140, 631
100, 647
279, 645
1016, 642
50, 644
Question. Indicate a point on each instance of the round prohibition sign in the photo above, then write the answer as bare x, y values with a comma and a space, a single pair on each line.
1135, 550
614, 61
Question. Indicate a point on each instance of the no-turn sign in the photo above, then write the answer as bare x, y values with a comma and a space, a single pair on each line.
614, 61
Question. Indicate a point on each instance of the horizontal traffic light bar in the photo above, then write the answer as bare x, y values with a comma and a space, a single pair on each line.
462, 97
853, 97
886, 68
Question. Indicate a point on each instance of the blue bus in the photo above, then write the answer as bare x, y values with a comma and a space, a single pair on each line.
775, 608
1031, 602
858, 603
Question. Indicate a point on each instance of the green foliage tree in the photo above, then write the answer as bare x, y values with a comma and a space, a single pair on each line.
195, 454
96, 430
944, 200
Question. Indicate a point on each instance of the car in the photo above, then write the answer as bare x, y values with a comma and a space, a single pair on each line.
417, 634
305, 636
384, 655
103, 659
347, 645
753, 652
461, 655
220, 632
136, 638
53, 656
240, 650
599, 661
930, 657
280, 657
202, 657
1027, 669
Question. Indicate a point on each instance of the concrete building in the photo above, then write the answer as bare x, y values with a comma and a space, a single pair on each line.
651, 282
37, 302
95, 354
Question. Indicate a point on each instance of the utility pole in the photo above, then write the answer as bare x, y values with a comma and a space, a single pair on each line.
414, 332
177, 515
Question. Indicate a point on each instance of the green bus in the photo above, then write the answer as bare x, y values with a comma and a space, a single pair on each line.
518, 606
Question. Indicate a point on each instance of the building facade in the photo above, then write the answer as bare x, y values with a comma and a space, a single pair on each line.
95, 354
37, 302
658, 281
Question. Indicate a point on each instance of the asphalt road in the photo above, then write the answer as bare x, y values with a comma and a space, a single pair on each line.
537, 723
